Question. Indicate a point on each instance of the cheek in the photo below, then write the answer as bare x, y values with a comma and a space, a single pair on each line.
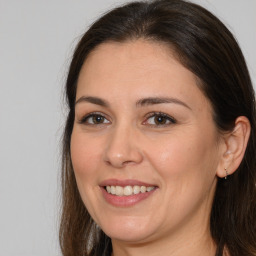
179, 156
187, 166
85, 161
84, 155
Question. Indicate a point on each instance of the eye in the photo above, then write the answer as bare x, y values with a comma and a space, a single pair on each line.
94, 119
159, 119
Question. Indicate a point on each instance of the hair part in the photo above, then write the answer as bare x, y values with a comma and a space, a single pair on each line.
207, 48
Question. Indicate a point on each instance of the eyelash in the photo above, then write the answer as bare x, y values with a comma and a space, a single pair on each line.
166, 117
170, 119
84, 120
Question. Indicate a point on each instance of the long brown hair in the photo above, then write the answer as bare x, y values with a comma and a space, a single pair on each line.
208, 49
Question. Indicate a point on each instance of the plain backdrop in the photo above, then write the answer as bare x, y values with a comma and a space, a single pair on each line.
36, 43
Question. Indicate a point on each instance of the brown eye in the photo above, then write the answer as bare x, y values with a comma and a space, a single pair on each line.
94, 119
97, 119
160, 119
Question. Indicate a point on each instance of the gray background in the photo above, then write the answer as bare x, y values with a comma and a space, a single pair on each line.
36, 42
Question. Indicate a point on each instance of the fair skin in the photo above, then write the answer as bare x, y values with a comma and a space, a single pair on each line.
140, 116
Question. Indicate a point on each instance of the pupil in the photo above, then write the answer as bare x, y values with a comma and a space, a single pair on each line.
160, 119
98, 119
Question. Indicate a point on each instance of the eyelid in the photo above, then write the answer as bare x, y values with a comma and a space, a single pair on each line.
91, 114
168, 117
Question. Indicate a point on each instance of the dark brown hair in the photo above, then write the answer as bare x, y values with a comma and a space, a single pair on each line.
208, 49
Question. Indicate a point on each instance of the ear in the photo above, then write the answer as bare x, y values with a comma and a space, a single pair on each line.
235, 146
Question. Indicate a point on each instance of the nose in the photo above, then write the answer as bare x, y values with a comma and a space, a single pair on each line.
122, 147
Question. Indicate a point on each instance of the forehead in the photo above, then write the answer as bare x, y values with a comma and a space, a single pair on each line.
138, 55
136, 69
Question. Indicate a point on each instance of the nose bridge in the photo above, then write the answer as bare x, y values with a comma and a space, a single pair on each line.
121, 148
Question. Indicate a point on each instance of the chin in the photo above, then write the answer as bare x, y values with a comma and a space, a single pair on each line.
130, 231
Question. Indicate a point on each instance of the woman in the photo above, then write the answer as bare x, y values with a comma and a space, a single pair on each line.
159, 144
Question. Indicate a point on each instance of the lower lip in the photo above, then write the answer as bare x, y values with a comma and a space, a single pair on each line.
125, 201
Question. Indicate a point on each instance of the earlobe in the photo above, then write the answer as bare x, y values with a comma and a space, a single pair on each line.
235, 145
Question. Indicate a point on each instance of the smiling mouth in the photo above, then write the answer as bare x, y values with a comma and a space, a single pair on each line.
128, 190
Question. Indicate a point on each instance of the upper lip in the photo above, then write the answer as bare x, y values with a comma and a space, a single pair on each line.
123, 183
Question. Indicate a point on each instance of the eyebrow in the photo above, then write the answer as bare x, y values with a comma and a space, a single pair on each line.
157, 100
93, 100
139, 103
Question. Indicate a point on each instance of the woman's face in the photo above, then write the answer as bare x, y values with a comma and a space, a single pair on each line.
142, 124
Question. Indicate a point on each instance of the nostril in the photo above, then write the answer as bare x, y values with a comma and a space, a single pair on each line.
127, 162
120, 164
108, 163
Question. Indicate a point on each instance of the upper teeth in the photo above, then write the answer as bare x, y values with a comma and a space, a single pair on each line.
127, 190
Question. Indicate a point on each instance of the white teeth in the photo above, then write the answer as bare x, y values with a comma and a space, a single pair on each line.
119, 191
143, 189
128, 190
113, 190
108, 189
136, 190
149, 189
